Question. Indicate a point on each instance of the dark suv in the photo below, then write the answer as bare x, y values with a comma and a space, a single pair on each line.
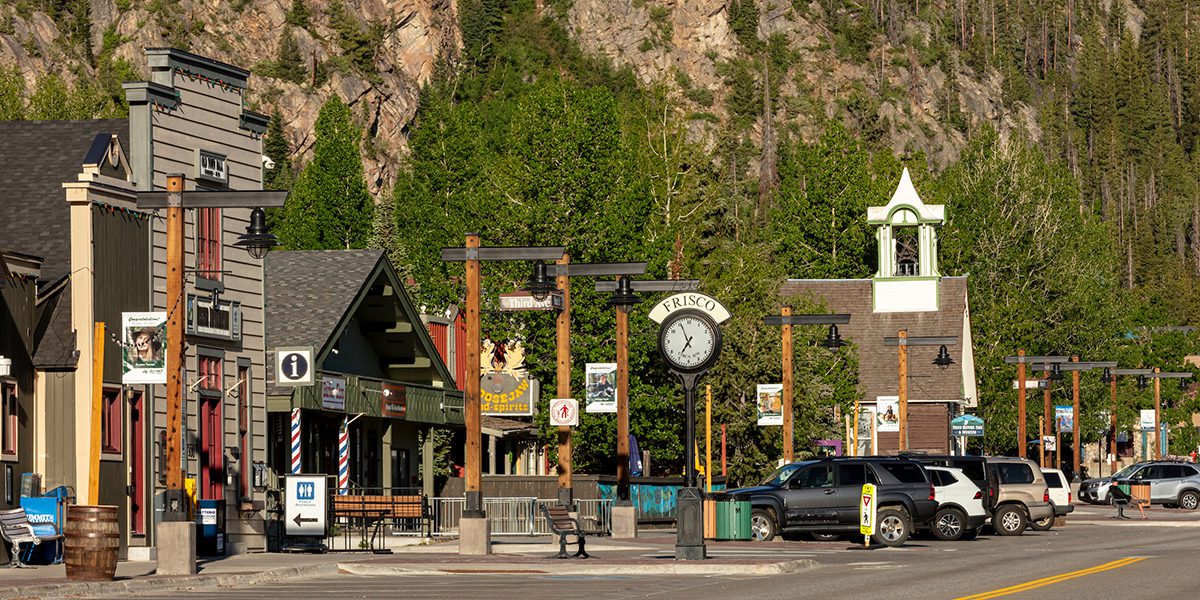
822, 497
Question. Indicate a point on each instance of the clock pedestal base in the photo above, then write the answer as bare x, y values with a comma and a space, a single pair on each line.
689, 524
624, 520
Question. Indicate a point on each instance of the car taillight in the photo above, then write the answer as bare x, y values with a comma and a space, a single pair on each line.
931, 495
978, 495
1068, 497
1046, 496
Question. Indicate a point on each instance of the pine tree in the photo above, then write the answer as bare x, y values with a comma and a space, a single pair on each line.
298, 15
12, 94
289, 63
329, 207
277, 148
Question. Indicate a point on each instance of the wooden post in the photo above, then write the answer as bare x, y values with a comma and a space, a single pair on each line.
174, 359
1048, 414
93, 496
1042, 440
789, 433
1075, 437
622, 405
1057, 446
903, 344
1112, 424
1157, 408
723, 450
1022, 438
474, 494
563, 375
708, 474
856, 411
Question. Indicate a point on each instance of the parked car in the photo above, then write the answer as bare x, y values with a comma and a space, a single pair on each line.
960, 511
1095, 490
1171, 483
1059, 488
1014, 490
823, 496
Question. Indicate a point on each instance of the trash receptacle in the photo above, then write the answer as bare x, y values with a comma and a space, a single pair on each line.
733, 520
721, 508
210, 528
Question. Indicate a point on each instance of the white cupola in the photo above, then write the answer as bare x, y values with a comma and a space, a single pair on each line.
907, 279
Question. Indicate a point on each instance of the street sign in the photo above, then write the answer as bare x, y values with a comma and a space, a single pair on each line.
1049, 442
966, 425
1030, 384
520, 301
564, 412
866, 510
305, 505
293, 366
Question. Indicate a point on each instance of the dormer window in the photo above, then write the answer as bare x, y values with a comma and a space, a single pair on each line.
212, 167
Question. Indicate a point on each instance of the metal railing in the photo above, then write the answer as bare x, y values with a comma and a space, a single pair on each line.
518, 516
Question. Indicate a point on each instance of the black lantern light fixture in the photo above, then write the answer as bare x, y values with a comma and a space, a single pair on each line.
943, 359
1106, 377
1182, 384
1055, 372
1141, 383
257, 240
623, 298
834, 339
540, 285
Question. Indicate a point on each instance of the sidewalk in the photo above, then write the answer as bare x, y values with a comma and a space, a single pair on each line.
652, 554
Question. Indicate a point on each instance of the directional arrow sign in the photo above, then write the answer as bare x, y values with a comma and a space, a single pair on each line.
301, 520
306, 495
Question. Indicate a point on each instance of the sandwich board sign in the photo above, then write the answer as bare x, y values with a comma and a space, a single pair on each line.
305, 505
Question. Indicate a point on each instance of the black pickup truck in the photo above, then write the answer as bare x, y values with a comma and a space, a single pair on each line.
822, 497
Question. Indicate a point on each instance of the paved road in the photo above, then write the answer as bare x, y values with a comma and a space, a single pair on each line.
1145, 560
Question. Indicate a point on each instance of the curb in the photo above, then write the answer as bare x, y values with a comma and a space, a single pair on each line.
777, 568
166, 584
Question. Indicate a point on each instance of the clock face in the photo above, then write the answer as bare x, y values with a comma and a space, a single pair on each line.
689, 342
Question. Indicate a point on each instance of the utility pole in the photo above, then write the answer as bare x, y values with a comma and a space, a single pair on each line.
789, 432
562, 330
1048, 414
1157, 408
903, 344
1022, 438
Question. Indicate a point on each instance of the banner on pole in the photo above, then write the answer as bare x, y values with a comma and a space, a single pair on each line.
887, 414
601, 390
143, 352
1065, 417
770, 403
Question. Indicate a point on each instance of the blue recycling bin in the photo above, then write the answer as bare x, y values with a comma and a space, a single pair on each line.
210, 528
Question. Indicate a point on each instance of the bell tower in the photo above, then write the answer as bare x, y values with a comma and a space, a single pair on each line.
906, 230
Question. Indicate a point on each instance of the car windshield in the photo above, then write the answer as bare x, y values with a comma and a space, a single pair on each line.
1126, 472
781, 474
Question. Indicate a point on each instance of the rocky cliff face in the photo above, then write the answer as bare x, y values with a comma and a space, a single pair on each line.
658, 39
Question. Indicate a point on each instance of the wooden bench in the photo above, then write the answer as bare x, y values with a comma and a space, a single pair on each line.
563, 525
16, 529
372, 512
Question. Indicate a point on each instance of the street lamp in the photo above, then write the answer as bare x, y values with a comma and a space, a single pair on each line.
903, 341
943, 359
1055, 375
623, 298
1157, 376
176, 550
539, 285
833, 340
474, 535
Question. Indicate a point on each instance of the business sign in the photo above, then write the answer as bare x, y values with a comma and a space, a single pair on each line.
333, 393
213, 318
294, 366
695, 300
304, 505
1065, 417
1146, 422
600, 381
524, 301
1050, 443
393, 401
887, 414
143, 351
966, 425
867, 510
505, 388
564, 412
770, 403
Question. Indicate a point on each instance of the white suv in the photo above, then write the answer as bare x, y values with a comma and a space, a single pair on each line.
960, 511
1059, 489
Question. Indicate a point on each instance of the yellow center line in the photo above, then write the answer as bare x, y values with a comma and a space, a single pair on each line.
1037, 583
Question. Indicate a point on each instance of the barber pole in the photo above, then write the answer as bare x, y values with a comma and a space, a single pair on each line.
295, 441
344, 458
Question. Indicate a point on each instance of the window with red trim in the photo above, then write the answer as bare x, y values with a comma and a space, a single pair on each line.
110, 421
211, 374
8, 411
208, 243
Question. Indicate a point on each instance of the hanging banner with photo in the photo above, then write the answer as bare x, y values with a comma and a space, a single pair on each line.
1065, 417
887, 414
143, 353
601, 388
1147, 419
505, 389
770, 403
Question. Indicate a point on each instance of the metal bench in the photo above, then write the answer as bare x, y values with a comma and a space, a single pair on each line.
563, 525
16, 529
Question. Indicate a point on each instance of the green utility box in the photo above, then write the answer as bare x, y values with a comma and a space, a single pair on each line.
733, 520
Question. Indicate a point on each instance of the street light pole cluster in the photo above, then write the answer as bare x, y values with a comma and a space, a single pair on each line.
833, 341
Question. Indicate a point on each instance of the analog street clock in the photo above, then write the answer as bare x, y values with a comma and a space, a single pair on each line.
689, 340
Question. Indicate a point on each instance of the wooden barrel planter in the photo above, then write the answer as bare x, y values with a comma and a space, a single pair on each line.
92, 541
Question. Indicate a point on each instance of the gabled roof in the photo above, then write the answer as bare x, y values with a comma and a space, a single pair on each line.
314, 295
36, 158
878, 364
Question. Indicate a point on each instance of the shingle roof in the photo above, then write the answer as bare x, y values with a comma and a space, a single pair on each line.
308, 292
878, 364
36, 158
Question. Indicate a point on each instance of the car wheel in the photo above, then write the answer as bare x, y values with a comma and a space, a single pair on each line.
821, 536
1009, 520
892, 527
1042, 524
762, 525
1189, 500
949, 524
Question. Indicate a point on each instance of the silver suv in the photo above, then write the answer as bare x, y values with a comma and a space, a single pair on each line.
1171, 483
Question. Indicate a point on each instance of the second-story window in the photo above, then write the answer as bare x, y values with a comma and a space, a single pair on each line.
208, 243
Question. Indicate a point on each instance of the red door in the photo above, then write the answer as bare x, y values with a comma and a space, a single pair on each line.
212, 455
137, 464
